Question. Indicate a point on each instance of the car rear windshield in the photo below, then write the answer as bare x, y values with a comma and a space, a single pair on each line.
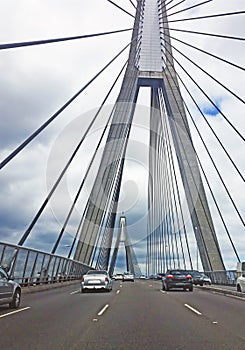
178, 272
96, 272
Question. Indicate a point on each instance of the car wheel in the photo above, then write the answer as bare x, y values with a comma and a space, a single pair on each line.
191, 289
163, 287
238, 288
15, 303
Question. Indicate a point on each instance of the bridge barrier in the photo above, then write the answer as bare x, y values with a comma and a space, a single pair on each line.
33, 267
223, 291
226, 278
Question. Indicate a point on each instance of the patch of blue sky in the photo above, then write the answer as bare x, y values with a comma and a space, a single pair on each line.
211, 109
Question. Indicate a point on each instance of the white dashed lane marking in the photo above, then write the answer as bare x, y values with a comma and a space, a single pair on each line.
103, 310
192, 309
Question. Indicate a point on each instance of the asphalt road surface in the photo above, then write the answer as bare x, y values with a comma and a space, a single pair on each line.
135, 315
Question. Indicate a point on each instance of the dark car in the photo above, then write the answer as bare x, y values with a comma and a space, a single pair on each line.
10, 291
177, 279
160, 275
197, 277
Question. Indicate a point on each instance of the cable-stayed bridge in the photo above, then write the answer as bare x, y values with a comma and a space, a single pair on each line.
168, 151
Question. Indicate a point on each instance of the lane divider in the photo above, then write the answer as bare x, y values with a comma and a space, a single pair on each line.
75, 291
14, 312
103, 310
192, 309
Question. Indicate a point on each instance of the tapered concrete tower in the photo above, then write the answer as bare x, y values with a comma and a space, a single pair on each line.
150, 64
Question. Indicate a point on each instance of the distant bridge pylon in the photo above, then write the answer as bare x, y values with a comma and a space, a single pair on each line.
131, 260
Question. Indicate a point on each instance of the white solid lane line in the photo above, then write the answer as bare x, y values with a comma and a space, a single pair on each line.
14, 312
103, 310
192, 309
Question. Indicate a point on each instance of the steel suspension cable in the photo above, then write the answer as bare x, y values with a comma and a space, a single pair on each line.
168, 2
206, 52
213, 165
56, 114
220, 143
165, 5
120, 8
90, 164
188, 133
194, 180
155, 168
132, 3
168, 199
209, 75
111, 200
151, 195
161, 194
159, 190
170, 209
169, 253
176, 186
172, 193
27, 232
178, 3
201, 166
57, 40
109, 219
112, 179
108, 185
175, 190
222, 146
226, 120
189, 8
208, 34
206, 17
210, 100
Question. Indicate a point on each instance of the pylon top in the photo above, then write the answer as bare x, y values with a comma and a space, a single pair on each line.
151, 48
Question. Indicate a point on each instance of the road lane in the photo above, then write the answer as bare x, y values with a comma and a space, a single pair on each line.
216, 307
139, 316
144, 318
55, 319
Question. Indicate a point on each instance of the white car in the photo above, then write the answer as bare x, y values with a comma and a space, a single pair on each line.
205, 280
240, 283
118, 277
127, 276
96, 280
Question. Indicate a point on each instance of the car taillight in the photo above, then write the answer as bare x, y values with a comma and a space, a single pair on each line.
82, 279
106, 279
188, 276
170, 276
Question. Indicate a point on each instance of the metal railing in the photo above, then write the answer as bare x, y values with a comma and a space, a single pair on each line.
226, 278
31, 267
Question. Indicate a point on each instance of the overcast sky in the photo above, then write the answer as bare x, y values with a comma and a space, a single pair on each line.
36, 81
